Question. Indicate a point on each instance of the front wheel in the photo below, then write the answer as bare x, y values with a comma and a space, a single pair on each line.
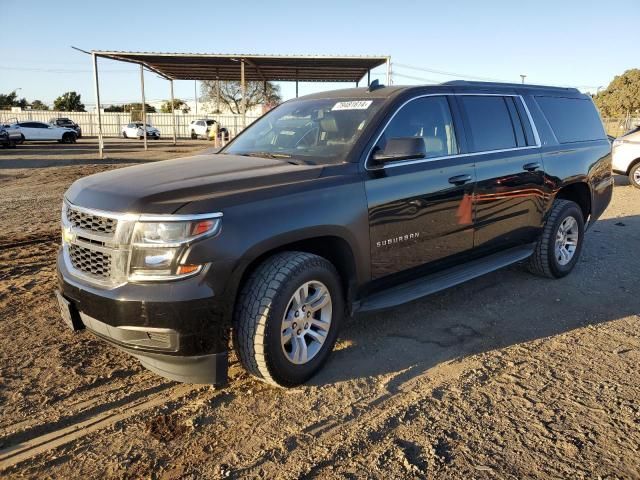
68, 138
124, 135
634, 175
287, 318
560, 244
194, 135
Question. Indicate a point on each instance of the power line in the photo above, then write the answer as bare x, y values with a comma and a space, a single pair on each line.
450, 74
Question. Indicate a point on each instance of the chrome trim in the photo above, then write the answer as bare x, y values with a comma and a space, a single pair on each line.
457, 155
143, 217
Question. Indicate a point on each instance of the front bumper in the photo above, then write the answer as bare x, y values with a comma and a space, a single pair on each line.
176, 329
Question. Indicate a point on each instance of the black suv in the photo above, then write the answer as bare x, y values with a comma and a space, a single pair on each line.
331, 204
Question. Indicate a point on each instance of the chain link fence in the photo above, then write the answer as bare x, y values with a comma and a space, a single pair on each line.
112, 123
616, 126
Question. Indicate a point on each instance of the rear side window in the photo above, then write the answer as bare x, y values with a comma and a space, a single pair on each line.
572, 119
489, 122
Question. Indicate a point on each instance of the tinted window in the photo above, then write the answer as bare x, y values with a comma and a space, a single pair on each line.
318, 130
489, 122
572, 119
429, 118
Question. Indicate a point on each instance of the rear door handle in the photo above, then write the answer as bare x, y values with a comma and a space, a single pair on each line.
460, 179
531, 166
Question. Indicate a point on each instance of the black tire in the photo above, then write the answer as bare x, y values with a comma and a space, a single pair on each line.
124, 135
68, 137
544, 261
634, 175
194, 135
260, 309
22, 139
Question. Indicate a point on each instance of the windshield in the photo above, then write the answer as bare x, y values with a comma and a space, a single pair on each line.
314, 131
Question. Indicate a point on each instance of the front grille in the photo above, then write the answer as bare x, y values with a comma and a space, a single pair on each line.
91, 223
90, 261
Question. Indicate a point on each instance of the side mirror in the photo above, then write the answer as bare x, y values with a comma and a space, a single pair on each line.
403, 148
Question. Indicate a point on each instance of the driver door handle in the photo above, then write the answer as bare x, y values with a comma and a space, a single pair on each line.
460, 179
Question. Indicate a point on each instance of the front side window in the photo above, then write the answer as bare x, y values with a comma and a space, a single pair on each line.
428, 118
489, 123
313, 131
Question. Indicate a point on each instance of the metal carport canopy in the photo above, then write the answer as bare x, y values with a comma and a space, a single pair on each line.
204, 66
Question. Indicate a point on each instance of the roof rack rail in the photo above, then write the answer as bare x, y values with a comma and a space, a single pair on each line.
503, 84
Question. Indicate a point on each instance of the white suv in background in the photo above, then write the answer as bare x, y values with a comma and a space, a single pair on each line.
200, 128
626, 155
39, 131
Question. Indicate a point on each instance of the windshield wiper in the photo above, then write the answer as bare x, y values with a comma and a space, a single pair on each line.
265, 154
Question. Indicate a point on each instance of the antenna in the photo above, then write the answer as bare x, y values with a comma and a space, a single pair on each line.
375, 85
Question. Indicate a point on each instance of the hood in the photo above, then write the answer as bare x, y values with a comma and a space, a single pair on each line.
165, 186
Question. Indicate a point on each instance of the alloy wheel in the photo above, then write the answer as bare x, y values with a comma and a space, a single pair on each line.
306, 322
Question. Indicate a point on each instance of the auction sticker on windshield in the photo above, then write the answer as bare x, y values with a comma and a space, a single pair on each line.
353, 105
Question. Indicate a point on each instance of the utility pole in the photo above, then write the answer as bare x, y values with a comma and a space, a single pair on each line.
523, 77
195, 94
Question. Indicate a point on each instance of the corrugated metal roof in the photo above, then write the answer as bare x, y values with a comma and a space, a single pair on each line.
206, 66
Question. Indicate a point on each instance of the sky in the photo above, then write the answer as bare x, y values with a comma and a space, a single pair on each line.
570, 43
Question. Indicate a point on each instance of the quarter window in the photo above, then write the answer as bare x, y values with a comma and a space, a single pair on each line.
428, 118
572, 119
489, 122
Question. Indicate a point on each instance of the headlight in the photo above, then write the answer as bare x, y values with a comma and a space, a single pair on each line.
158, 247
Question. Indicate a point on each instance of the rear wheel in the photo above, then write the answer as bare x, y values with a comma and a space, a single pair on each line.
287, 318
560, 244
634, 175
68, 138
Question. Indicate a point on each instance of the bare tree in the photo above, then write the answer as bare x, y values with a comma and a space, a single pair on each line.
231, 94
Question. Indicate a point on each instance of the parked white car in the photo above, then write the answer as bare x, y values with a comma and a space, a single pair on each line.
201, 128
39, 131
626, 155
134, 129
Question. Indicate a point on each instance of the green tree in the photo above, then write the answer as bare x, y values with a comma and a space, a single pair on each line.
39, 105
231, 94
69, 102
177, 104
114, 108
136, 110
622, 96
11, 100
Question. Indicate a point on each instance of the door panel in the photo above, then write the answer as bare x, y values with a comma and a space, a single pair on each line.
417, 217
510, 195
509, 200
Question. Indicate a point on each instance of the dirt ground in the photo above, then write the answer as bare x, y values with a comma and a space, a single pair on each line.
507, 376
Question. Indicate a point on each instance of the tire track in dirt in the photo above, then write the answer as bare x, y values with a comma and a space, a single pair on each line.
18, 453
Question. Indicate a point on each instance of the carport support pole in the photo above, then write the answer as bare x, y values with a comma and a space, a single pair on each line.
243, 88
368, 78
173, 114
144, 109
98, 113
388, 71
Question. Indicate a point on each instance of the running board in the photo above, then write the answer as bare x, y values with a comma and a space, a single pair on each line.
435, 282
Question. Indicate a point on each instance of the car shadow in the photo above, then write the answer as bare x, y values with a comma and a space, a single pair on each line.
504, 308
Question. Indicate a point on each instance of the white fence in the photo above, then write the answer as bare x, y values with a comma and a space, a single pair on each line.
112, 123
